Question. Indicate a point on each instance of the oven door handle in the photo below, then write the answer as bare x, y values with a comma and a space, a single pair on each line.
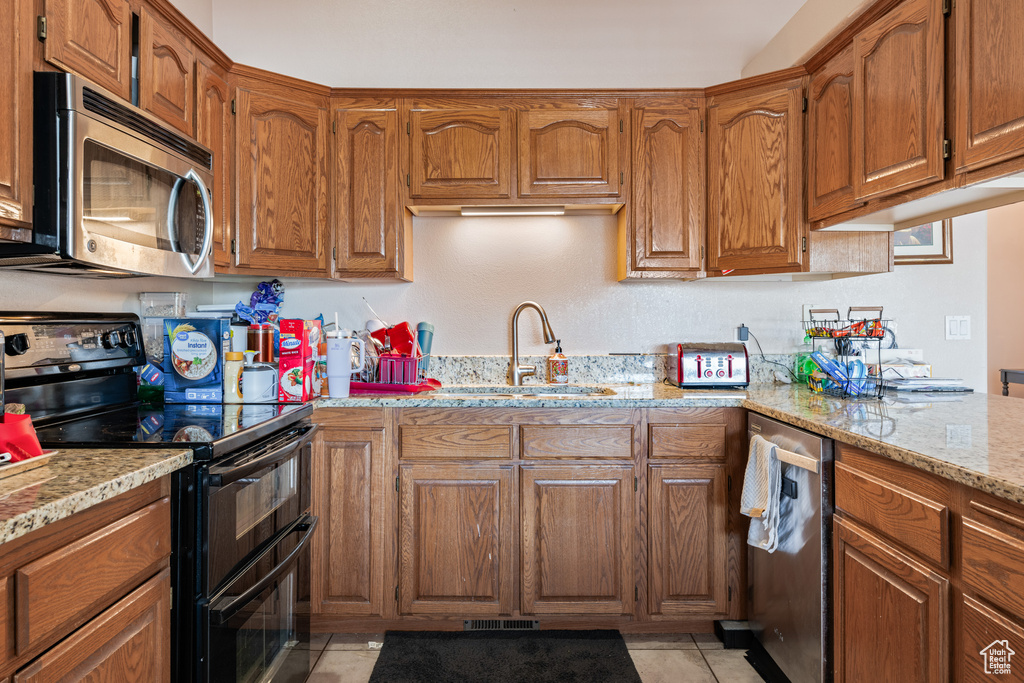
307, 524
222, 476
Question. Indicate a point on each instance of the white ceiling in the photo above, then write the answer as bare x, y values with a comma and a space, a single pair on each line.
498, 43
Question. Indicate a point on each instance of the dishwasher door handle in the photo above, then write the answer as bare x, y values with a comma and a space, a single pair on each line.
797, 460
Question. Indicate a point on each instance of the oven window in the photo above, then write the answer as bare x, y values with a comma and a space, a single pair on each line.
128, 201
264, 496
265, 632
247, 512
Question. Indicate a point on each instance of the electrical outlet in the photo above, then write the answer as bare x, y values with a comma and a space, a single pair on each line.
958, 436
958, 327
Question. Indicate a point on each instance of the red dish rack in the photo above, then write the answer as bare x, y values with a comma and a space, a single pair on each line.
399, 370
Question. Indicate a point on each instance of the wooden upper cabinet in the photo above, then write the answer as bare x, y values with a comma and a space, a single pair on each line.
830, 138
577, 539
755, 179
371, 225
460, 153
215, 128
281, 161
891, 613
989, 81
166, 72
572, 151
16, 42
455, 539
92, 38
689, 540
666, 228
898, 100
348, 546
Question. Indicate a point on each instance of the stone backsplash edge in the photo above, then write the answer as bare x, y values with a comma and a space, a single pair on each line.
596, 369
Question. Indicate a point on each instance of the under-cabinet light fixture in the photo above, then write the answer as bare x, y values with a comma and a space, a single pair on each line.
512, 211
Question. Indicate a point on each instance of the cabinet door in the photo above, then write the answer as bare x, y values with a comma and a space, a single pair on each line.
571, 152
830, 138
348, 546
755, 180
129, 642
667, 216
989, 82
455, 544
282, 181
166, 72
460, 154
15, 120
215, 128
891, 613
92, 38
689, 539
898, 100
577, 539
370, 218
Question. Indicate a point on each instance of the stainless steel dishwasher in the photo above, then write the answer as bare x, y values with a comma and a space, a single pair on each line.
788, 590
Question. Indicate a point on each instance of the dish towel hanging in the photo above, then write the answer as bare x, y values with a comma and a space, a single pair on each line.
762, 488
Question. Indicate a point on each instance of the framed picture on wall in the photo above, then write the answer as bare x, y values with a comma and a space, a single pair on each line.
927, 243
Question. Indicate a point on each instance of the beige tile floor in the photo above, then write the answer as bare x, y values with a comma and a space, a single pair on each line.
669, 658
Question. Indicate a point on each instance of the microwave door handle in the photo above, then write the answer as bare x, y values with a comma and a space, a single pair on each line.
172, 206
222, 476
220, 615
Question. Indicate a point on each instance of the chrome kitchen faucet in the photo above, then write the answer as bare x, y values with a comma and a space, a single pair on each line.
516, 372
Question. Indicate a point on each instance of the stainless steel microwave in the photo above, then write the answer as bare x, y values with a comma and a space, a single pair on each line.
117, 192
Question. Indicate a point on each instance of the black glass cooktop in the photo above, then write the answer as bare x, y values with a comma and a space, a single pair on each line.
202, 427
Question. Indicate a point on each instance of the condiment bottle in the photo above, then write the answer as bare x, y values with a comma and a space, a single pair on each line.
558, 366
233, 364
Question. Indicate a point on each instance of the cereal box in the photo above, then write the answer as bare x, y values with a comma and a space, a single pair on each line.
300, 347
193, 362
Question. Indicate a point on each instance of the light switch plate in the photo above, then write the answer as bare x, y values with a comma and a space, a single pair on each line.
958, 436
958, 327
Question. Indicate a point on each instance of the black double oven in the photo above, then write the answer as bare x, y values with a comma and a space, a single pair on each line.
241, 511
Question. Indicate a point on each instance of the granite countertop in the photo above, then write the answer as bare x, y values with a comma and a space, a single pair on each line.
974, 439
76, 479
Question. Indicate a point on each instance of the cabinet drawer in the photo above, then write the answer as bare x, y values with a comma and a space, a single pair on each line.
690, 442
991, 562
916, 522
577, 442
129, 641
455, 442
61, 590
986, 631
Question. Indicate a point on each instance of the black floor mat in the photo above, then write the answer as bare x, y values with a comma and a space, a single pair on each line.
504, 656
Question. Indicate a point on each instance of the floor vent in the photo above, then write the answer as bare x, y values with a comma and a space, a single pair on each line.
500, 625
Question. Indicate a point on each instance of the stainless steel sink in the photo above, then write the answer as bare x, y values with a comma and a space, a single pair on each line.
529, 391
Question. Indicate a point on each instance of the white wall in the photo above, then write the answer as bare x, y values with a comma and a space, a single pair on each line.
495, 44
470, 273
813, 25
27, 291
199, 12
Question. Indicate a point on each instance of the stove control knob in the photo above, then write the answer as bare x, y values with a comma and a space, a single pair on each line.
16, 345
721, 373
709, 373
112, 339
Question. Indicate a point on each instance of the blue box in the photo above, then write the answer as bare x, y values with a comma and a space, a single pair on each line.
193, 363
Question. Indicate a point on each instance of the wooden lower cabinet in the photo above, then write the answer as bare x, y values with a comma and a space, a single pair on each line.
455, 539
88, 597
577, 539
891, 613
348, 546
128, 642
688, 539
